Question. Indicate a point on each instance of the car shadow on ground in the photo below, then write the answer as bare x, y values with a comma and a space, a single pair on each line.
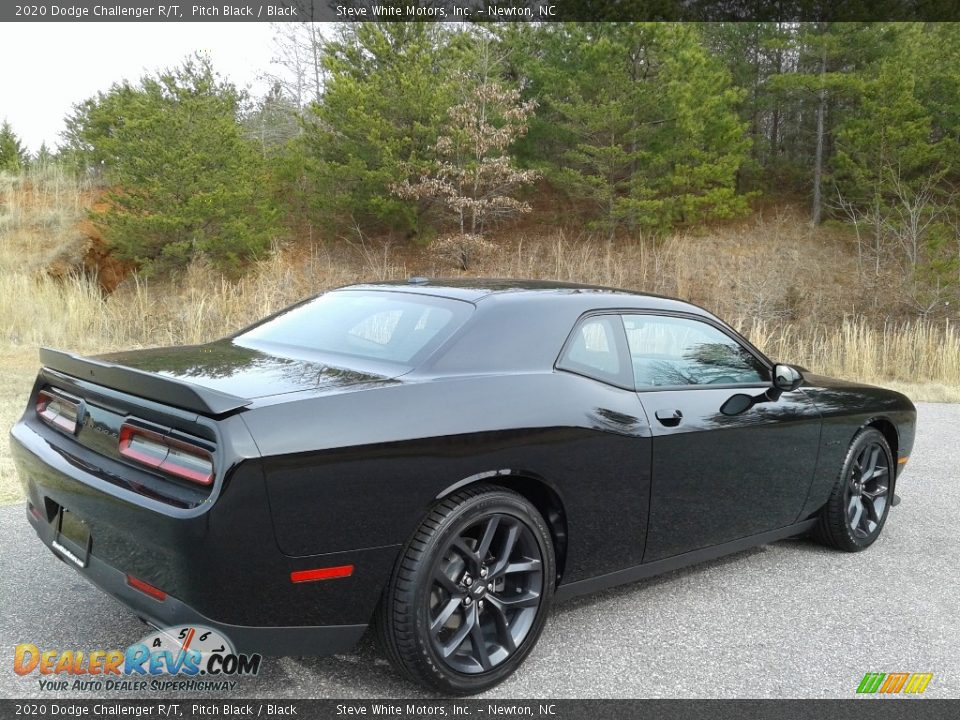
362, 673
365, 672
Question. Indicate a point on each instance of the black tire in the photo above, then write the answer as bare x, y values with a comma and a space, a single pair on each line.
434, 577
860, 502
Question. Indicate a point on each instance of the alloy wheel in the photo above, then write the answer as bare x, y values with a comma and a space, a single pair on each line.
485, 593
867, 490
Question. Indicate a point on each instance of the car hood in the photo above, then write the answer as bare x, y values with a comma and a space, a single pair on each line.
246, 372
844, 396
822, 381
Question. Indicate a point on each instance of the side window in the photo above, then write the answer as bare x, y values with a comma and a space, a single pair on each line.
672, 351
593, 349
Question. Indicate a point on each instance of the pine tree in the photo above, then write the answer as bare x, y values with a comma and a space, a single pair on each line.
384, 102
44, 156
897, 161
830, 60
13, 156
698, 150
638, 120
755, 53
187, 183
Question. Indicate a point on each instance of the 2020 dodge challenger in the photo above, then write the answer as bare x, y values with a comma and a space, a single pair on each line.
442, 460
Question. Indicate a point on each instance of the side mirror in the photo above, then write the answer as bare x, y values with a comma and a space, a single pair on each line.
786, 378
737, 404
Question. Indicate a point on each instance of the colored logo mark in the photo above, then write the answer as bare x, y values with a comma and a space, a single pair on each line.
893, 683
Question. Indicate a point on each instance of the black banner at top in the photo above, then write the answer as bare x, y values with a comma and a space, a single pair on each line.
480, 10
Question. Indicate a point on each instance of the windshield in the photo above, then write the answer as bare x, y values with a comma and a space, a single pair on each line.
392, 327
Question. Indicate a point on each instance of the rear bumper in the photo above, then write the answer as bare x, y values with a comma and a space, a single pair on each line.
169, 612
219, 564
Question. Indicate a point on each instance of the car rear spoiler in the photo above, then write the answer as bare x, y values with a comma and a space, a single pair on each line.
158, 388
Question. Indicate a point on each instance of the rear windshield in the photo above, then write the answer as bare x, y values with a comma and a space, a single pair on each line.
391, 327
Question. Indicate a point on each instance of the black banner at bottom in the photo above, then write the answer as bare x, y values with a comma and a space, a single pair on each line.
854, 709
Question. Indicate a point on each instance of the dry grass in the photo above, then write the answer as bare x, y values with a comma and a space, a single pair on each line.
922, 355
38, 212
201, 306
782, 283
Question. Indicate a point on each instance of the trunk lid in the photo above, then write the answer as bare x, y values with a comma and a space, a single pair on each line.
125, 417
244, 372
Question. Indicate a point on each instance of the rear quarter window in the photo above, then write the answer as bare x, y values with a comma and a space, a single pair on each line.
595, 349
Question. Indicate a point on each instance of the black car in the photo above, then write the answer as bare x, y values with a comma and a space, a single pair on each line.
443, 461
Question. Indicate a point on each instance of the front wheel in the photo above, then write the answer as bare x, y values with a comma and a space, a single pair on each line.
470, 592
857, 509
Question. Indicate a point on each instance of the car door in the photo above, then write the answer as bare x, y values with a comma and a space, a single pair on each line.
716, 477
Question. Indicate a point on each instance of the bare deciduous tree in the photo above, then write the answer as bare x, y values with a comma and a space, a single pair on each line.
906, 222
474, 179
298, 57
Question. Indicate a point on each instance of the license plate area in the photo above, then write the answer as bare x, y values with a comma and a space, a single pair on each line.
72, 540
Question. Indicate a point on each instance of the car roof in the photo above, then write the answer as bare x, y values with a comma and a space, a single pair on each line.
475, 290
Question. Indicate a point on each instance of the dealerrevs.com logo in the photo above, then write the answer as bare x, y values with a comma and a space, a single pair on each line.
894, 683
191, 658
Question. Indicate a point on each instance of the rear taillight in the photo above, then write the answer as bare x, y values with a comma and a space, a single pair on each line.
169, 455
58, 411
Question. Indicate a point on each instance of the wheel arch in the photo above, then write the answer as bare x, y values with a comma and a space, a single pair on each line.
539, 492
889, 432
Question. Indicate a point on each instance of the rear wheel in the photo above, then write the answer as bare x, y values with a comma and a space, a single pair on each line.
470, 593
857, 509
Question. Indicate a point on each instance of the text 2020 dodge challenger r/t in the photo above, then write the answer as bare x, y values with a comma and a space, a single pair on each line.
442, 460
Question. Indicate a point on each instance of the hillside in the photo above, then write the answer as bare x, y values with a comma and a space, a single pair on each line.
781, 282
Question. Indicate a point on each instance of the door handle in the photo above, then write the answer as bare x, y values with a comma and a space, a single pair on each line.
669, 418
